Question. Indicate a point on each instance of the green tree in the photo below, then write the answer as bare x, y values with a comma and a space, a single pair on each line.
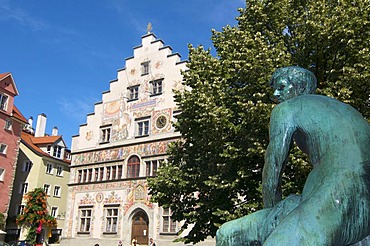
35, 214
2, 221
226, 106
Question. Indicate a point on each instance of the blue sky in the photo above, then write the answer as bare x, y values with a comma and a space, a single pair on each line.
63, 53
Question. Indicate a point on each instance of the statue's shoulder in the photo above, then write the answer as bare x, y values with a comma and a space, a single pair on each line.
318, 101
305, 101
282, 111
300, 104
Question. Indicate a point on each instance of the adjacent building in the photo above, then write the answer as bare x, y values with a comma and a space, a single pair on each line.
11, 124
44, 162
122, 143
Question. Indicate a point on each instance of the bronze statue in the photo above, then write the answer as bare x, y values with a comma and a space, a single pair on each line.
334, 207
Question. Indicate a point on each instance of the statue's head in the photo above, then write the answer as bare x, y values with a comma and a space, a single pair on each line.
293, 81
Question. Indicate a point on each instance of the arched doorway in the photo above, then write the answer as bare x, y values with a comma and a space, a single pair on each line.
139, 230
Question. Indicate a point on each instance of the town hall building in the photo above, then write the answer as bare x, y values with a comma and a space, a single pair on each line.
122, 143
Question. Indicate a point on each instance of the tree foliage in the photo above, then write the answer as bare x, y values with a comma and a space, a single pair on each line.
35, 213
213, 173
2, 221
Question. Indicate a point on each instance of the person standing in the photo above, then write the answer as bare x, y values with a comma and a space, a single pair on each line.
151, 242
134, 242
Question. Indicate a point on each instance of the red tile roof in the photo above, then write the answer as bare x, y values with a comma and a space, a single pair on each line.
14, 86
46, 139
32, 142
18, 115
28, 140
3, 75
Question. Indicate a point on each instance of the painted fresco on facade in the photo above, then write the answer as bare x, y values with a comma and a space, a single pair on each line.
88, 199
121, 117
147, 149
178, 86
137, 191
144, 105
161, 121
127, 194
99, 197
112, 110
89, 135
113, 198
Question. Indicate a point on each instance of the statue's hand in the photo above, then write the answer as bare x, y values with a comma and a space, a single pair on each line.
271, 194
269, 202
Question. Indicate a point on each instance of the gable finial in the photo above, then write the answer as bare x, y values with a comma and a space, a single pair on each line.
149, 27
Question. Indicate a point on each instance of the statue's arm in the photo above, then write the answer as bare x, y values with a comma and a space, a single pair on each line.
282, 128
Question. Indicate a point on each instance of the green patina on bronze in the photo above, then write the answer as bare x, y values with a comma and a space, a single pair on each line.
334, 207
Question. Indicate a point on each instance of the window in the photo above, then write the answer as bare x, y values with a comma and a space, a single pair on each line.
111, 219
20, 209
89, 175
105, 132
145, 68
107, 173
133, 167
8, 124
133, 92
151, 167
59, 171
114, 172
56, 191
101, 173
96, 174
27, 165
119, 172
48, 149
68, 155
79, 180
49, 168
54, 212
3, 148
55, 236
85, 219
168, 225
84, 175
2, 174
47, 189
156, 87
57, 151
3, 101
142, 128
24, 188
110, 173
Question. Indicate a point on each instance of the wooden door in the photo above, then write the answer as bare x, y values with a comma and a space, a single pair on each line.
140, 228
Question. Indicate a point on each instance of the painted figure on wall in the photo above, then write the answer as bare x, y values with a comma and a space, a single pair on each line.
334, 207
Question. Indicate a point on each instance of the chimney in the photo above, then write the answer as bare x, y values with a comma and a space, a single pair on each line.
55, 131
40, 125
28, 127
30, 121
